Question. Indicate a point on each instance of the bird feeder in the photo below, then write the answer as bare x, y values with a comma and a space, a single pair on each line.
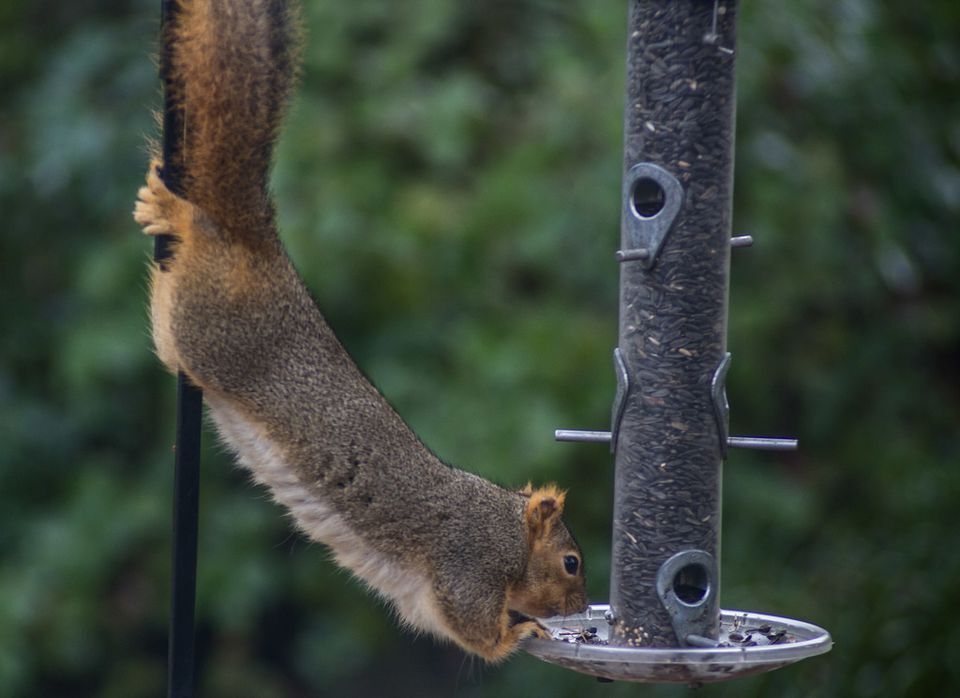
669, 428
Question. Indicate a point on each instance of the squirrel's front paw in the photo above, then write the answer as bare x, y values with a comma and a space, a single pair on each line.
155, 205
531, 628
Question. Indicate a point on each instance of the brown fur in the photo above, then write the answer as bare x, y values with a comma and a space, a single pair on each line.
232, 70
455, 553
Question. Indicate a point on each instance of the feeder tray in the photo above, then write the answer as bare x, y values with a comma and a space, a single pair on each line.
749, 643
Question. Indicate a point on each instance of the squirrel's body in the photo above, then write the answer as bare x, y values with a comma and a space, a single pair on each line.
457, 555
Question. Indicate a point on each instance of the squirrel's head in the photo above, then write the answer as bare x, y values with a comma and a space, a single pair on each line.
553, 582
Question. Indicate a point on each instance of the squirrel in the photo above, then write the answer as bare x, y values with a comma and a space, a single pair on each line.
456, 555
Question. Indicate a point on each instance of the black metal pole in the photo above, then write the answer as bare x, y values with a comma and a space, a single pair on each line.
186, 506
670, 431
186, 479
173, 118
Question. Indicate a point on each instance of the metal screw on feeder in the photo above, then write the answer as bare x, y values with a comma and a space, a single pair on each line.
670, 417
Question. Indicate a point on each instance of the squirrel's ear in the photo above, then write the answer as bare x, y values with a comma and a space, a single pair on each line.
543, 509
527, 491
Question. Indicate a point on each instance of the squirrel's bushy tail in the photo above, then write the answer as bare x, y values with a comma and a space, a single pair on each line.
233, 64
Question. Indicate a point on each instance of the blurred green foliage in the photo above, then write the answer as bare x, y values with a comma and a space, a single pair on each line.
448, 183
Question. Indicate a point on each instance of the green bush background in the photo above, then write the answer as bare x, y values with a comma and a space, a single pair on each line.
448, 183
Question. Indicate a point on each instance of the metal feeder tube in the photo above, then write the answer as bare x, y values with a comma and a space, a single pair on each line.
678, 171
669, 430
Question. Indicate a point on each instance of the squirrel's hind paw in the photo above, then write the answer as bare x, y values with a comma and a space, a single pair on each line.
147, 213
155, 206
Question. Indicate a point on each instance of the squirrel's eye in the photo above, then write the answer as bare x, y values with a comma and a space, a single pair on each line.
571, 564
